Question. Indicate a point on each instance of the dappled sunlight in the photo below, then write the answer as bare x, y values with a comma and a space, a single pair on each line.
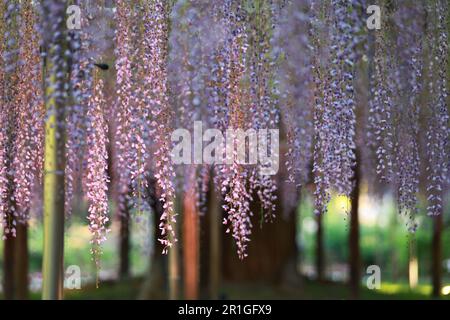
395, 288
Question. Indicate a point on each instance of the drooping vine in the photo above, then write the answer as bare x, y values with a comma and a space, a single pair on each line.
334, 114
95, 179
437, 136
296, 101
28, 159
10, 80
162, 118
409, 20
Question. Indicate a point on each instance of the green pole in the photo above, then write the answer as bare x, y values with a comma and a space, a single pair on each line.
53, 205
54, 154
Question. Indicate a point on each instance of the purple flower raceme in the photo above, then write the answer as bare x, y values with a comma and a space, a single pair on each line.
396, 107
438, 134
163, 115
334, 115
187, 74
407, 88
27, 163
123, 105
95, 180
380, 111
81, 86
295, 74
11, 63
234, 187
3, 155
143, 113
262, 20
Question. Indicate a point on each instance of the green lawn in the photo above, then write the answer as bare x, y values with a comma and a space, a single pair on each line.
308, 290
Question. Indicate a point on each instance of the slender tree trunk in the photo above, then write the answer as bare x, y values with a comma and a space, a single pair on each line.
292, 274
9, 254
354, 254
21, 263
124, 244
320, 254
215, 221
298, 231
191, 245
53, 213
413, 267
270, 250
122, 213
15, 256
53, 255
154, 283
8, 268
393, 252
437, 255
174, 258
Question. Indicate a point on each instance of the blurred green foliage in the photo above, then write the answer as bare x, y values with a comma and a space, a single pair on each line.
384, 239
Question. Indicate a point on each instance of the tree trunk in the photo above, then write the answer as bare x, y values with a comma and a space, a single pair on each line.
154, 283
437, 255
21, 263
215, 221
124, 244
270, 250
8, 267
320, 252
413, 267
53, 255
174, 257
191, 245
53, 213
354, 254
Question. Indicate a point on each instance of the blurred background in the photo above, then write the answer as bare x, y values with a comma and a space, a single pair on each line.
318, 269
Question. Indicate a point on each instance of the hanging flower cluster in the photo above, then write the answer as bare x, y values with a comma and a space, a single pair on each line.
381, 110
183, 76
408, 87
295, 76
123, 107
162, 123
216, 79
296, 81
263, 92
334, 115
188, 67
395, 107
3, 139
140, 124
95, 178
81, 84
86, 129
236, 195
438, 131
28, 161
8, 73
143, 113
320, 40
3, 125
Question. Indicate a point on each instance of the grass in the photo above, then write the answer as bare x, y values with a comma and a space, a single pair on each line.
309, 290
318, 291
